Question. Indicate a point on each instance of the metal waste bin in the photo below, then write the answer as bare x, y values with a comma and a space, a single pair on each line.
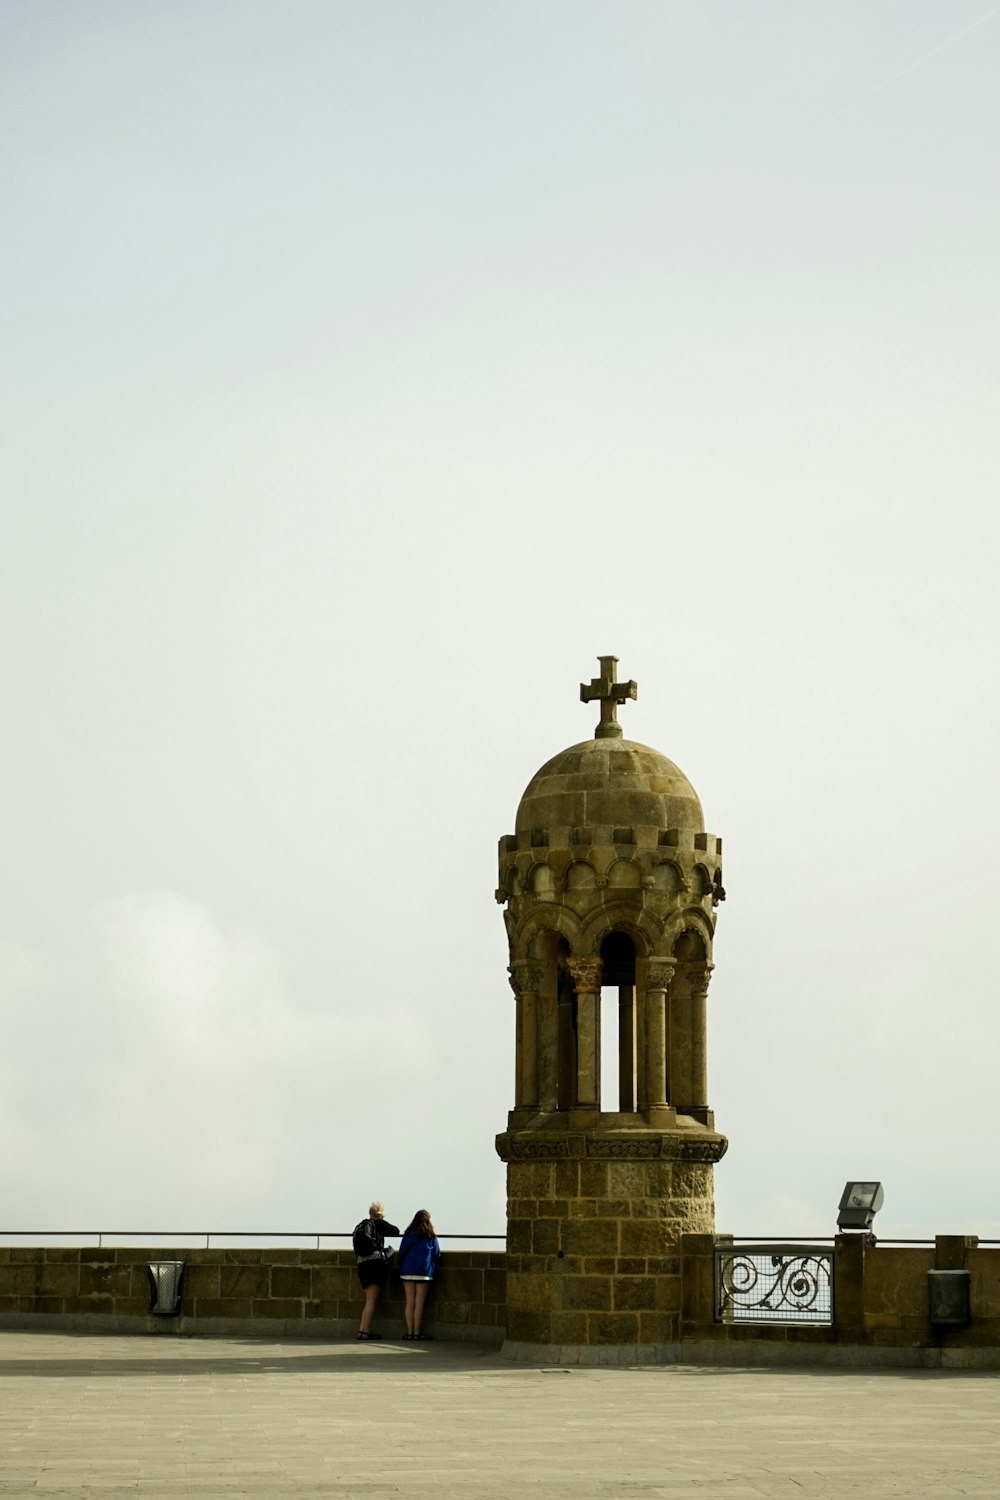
948, 1297
166, 1277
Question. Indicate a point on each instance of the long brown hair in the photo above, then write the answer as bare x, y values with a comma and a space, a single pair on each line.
421, 1223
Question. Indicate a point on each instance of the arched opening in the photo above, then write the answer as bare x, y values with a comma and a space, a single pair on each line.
618, 1034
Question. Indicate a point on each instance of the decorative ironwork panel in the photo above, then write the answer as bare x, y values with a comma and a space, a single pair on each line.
774, 1284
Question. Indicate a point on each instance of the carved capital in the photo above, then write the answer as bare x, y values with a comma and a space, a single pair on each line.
586, 973
659, 974
525, 978
698, 976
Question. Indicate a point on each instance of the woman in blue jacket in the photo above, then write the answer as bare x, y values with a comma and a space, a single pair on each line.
419, 1253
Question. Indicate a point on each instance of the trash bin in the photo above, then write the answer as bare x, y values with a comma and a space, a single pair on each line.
165, 1277
948, 1297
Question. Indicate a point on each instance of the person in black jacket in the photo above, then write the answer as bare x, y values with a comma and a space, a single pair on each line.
373, 1262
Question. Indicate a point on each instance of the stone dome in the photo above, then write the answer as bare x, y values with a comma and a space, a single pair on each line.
610, 781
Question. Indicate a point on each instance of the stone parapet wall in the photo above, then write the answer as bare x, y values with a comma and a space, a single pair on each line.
881, 1303
297, 1292
583, 1313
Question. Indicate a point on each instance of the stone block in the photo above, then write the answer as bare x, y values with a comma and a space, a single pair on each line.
519, 1236
568, 1328
659, 1328
290, 1281
320, 1307
663, 1265
582, 1208
18, 1281
105, 1280
522, 1208
134, 1307
223, 1307
26, 1255
333, 1282
290, 1308
692, 1179
529, 1327
585, 1293
951, 1251
612, 1328
97, 1302
567, 1179
530, 1179
239, 1257
495, 1287
232, 1281
984, 1283
460, 1286
895, 1282
593, 1180
591, 1236
630, 1179
60, 1255
631, 1265
598, 1265
534, 1293
646, 1237
59, 1280
285, 1257
4, 1255
634, 1294
454, 1312
669, 1294
545, 1237
47, 1305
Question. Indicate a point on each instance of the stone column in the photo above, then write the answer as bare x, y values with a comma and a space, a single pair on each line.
627, 1081
525, 981
586, 975
698, 978
658, 977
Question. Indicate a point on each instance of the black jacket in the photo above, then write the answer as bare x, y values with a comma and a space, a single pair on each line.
374, 1231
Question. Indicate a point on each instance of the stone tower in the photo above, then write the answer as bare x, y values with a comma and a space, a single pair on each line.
610, 884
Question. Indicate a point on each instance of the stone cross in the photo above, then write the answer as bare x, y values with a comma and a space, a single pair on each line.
610, 693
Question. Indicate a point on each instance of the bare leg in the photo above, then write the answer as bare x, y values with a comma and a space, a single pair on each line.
409, 1292
420, 1289
368, 1311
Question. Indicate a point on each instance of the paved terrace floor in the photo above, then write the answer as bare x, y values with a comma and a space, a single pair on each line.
95, 1415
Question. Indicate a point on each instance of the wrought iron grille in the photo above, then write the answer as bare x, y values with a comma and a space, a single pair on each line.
774, 1284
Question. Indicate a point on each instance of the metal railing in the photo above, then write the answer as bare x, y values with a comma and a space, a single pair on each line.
774, 1283
175, 1236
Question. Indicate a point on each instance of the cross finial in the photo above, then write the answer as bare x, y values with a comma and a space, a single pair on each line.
610, 693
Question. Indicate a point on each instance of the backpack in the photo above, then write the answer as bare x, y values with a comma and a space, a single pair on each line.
362, 1239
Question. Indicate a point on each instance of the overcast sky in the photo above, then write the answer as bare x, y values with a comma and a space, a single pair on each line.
368, 369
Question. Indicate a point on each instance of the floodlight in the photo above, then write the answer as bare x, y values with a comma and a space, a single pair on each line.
859, 1204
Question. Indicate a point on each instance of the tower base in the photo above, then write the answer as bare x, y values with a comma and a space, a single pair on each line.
594, 1217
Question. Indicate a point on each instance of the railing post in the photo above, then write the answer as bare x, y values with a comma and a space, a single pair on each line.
849, 1285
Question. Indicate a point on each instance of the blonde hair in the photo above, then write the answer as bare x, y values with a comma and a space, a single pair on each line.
377, 1209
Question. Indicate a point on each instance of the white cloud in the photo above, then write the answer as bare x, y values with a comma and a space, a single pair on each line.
172, 1090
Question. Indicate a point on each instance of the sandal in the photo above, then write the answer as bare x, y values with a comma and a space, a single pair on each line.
361, 1335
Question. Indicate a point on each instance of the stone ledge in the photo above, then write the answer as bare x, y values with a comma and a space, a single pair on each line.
313, 1330
755, 1355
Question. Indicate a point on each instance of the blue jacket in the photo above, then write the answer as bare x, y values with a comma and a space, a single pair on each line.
418, 1255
